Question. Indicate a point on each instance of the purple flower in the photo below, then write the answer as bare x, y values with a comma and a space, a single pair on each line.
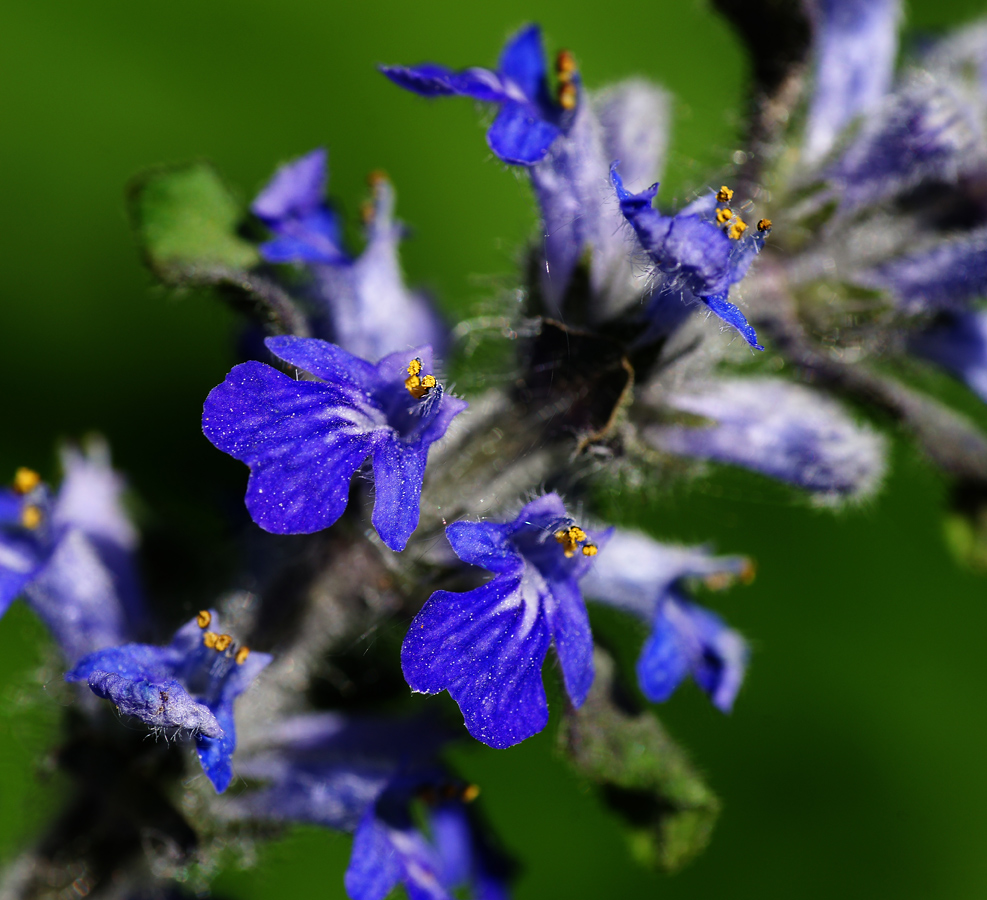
855, 42
697, 253
959, 345
781, 429
362, 304
487, 646
186, 688
293, 206
529, 119
644, 577
365, 776
304, 439
72, 555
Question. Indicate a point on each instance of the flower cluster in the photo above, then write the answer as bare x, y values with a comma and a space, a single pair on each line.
471, 525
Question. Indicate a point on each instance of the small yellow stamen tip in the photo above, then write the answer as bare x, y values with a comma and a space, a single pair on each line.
241, 655
718, 581
31, 517
724, 194
724, 215
764, 225
735, 231
470, 793
26, 480
209, 639
570, 538
590, 550
568, 96
749, 572
565, 65
367, 212
418, 385
376, 177
203, 618
223, 643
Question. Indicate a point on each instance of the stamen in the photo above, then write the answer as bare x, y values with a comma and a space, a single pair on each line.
223, 642
735, 231
203, 618
565, 65
31, 517
565, 70
724, 194
749, 572
470, 793
209, 639
570, 538
26, 480
764, 225
568, 95
723, 215
418, 385
241, 655
590, 549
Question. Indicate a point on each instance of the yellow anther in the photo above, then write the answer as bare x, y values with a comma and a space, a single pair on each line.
749, 571
568, 96
718, 581
570, 538
590, 549
470, 793
26, 480
223, 642
735, 231
565, 65
241, 655
418, 385
724, 194
31, 517
203, 618
377, 176
724, 215
209, 639
763, 224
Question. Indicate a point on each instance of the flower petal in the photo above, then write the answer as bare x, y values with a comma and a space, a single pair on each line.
959, 345
569, 621
324, 360
855, 42
725, 310
664, 660
297, 188
399, 470
486, 647
522, 63
432, 80
519, 134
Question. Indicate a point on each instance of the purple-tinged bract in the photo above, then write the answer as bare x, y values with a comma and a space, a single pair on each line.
186, 688
304, 439
487, 646
645, 578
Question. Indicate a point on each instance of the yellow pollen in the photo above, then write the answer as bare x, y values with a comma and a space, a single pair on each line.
565, 65
570, 538
26, 480
203, 618
736, 230
724, 194
241, 655
377, 176
723, 215
718, 581
31, 517
418, 385
209, 639
223, 642
568, 95
764, 225
470, 793
590, 549
748, 572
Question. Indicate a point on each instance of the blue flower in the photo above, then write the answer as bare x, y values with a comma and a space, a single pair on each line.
854, 47
529, 120
362, 304
781, 429
699, 252
487, 646
644, 577
292, 205
186, 688
304, 439
367, 776
72, 555
958, 343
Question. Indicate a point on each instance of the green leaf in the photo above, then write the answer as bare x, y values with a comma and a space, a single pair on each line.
642, 774
186, 220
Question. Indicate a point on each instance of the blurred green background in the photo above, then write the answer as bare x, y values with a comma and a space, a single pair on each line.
853, 764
